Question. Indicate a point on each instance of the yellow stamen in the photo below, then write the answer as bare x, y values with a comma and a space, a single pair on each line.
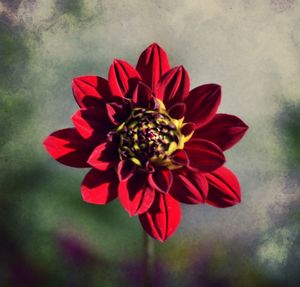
136, 161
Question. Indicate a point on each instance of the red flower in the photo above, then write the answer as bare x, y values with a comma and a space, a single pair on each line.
150, 141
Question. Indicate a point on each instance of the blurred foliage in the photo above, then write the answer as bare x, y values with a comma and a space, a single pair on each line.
73, 7
279, 246
14, 57
13, 110
289, 126
282, 240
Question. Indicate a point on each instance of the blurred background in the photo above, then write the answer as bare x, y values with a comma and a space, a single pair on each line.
50, 237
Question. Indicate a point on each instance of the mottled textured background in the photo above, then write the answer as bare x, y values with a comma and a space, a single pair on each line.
49, 237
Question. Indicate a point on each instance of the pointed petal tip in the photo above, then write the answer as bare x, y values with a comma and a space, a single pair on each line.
181, 69
245, 127
224, 129
158, 238
178, 69
217, 86
44, 143
121, 62
218, 89
131, 214
77, 79
224, 188
154, 44
115, 63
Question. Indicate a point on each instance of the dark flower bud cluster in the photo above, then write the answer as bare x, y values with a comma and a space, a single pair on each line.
146, 135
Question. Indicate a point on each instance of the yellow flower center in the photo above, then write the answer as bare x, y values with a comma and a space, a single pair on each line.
150, 135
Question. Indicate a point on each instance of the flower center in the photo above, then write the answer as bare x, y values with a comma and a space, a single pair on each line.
147, 135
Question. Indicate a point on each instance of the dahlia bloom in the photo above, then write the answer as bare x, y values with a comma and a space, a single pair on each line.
150, 141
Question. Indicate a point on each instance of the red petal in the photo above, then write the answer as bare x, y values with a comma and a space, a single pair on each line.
118, 112
163, 217
173, 87
135, 195
126, 169
99, 187
149, 167
90, 91
92, 120
202, 104
69, 148
142, 96
180, 157
122, 77
177, 111
152, 64
161, 180
204, 155
189, 187
188, 128
224, 130
104, 156
224, 188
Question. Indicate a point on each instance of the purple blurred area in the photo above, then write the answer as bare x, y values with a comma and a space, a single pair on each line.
73, 251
